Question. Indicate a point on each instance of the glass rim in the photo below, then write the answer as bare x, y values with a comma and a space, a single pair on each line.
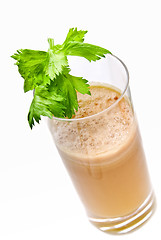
106, 109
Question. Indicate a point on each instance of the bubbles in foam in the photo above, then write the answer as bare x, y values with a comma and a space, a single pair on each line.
99, 133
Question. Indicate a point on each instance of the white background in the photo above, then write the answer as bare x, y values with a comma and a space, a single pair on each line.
37, 199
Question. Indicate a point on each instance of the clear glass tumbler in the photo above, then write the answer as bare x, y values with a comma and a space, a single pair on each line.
102, 149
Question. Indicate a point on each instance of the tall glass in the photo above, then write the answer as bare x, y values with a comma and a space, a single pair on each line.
103, 152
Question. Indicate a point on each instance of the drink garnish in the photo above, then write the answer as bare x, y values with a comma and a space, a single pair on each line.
48, 74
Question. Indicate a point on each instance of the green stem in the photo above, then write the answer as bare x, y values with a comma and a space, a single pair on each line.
51, 43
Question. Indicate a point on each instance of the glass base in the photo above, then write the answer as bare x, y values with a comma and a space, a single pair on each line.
122, 225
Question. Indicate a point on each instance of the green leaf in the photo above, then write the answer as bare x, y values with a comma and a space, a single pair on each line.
74, 36
68, 86
32, 82
31, 65
57, 61
80, 84
46, 102
67, 90
88, 51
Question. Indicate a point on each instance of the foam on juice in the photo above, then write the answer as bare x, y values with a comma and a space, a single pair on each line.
98, 134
